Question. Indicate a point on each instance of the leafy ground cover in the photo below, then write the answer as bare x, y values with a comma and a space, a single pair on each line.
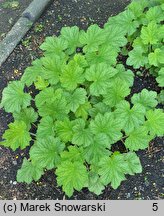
138, 80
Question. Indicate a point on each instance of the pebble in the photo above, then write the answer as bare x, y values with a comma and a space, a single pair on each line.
128, 195
14, 162
14, 183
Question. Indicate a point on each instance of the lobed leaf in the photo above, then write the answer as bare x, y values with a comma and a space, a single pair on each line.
16, 136
136, 58
29, 172
155, 122
138, 139
13, 97
72, 175
100, 75
160, 78
129, 118
45, 152
27, 115
108, 125
116, 92
113, 169
146, 98
91, 39
76, 98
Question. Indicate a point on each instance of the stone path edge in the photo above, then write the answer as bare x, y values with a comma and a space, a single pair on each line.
21, 27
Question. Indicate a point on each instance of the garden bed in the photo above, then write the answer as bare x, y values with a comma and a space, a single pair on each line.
147, 185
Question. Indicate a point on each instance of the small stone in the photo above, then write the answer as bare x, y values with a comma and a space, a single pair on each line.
128, 195
14, 162
11, 20
14, 183
11, 181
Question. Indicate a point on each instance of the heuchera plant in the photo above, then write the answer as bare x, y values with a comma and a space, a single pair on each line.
80, 108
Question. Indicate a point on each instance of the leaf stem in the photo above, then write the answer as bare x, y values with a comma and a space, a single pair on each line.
124, 137
149, 48
32, 134
123, 141
34, 125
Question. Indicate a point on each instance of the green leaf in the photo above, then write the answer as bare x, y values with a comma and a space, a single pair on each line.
57, 110
156, 58
71, 36
83, 110
80, 60
129, 118
150, 33
71, 176
54, 45
124, 75
108, 125
136, 58
138, 139
31, 73
76, 98
134, 165
116, 92
81, 136
46, 127
29, 172
97, 149
94, 37
16, 136
71, 76
52, 67
95, 185
160, 78
99, 108
155, 122
40, 83
161, 97
45, 152
146, 98
137, 7
13, 97
105, 54
154, 13
113, 169
73, 154
27, 115
56, 107
160, 33
115, 36
44, 96
139, 47
100, 74
125, 21
64, 130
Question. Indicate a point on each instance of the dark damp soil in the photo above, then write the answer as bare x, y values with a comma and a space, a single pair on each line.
9, 13
148, 185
